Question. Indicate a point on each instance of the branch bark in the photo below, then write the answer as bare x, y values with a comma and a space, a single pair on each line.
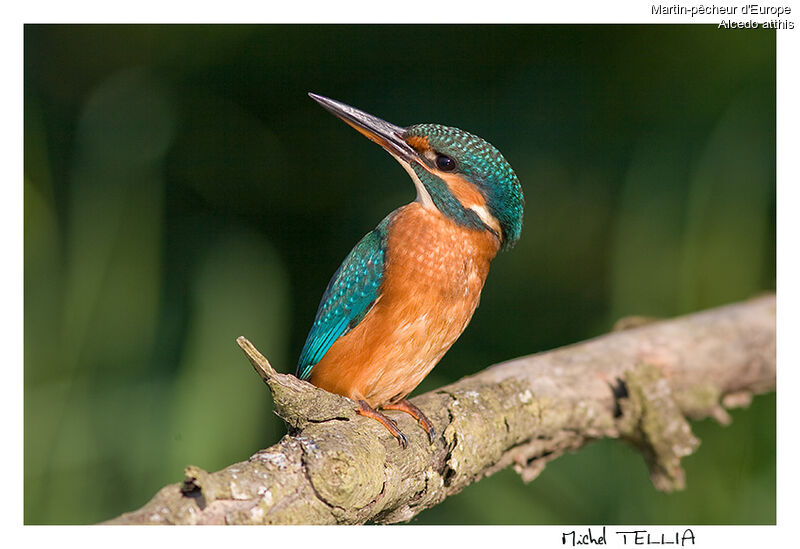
639, 384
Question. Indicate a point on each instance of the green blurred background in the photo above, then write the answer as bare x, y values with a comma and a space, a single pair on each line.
181, 190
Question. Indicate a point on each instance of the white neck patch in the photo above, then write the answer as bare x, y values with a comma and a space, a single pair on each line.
488, 219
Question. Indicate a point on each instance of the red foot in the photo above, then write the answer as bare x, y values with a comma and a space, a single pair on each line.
416, 413
366, 410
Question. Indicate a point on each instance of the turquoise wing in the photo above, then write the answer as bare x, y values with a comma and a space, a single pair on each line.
350, 295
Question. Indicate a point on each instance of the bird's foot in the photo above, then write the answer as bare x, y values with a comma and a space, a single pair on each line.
366, 410
416, 413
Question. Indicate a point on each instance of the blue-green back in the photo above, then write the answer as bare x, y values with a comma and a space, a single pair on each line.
349, 296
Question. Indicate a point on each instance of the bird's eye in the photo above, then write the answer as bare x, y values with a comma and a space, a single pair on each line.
445, 163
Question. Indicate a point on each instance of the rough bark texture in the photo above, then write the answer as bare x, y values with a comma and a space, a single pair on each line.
639, 384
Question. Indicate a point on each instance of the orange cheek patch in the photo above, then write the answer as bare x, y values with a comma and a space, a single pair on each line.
419, 143
466, 193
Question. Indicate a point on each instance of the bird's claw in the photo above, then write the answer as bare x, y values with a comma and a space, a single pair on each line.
432, 434
366, 410
405, 406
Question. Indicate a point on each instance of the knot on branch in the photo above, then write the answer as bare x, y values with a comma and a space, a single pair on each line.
297, 402
195, 486
345, 466
652, 420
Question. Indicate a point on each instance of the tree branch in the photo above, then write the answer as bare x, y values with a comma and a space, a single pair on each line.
639, 384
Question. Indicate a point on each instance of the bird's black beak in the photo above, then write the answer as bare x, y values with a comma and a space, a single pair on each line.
380, 131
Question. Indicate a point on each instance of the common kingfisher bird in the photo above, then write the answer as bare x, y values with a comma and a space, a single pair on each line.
408, 289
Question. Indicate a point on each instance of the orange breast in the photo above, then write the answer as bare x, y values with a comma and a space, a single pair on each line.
435, 270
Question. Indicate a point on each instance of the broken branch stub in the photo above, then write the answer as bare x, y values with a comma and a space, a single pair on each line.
297, 402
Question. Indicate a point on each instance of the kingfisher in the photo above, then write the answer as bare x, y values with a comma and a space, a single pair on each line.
408, 289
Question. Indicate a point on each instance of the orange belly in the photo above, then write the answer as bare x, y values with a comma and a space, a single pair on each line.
435, 270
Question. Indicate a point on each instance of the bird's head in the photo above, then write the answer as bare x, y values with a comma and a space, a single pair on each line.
463, 176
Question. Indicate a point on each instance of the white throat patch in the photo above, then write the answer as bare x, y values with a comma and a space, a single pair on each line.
423, 196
